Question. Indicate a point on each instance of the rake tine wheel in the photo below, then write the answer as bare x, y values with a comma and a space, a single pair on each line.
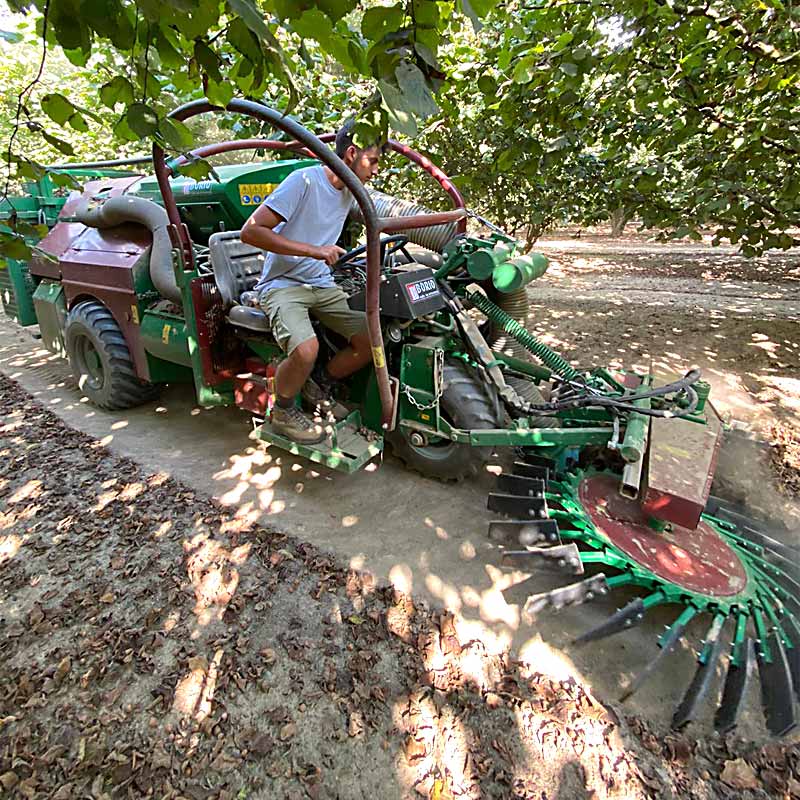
728, 568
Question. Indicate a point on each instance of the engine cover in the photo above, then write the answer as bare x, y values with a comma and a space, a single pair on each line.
406, 295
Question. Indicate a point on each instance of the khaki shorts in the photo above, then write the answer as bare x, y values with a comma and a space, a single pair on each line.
288, 309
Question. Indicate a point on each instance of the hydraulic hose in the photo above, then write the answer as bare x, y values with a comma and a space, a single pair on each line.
533, 345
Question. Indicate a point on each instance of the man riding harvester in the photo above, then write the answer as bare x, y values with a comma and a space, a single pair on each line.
419, 337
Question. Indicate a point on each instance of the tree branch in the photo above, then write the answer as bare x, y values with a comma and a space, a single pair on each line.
21, 97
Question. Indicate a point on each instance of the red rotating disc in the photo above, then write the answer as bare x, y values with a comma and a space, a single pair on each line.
697, 560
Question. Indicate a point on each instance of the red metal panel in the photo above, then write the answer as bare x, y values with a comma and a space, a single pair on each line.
698, 560
251, 393
682, 460
62, 235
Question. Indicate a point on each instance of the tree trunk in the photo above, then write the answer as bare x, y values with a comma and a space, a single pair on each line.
619, 219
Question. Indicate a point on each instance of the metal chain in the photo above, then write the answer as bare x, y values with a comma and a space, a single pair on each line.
438, 384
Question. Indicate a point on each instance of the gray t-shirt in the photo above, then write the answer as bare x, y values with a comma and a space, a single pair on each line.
315, 213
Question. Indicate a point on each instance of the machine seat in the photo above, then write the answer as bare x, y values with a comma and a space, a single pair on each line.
237, 268
248, 317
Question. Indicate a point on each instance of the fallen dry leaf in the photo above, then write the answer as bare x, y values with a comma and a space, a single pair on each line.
739, 774
9, 780
62, 670
288, 731
107, 598
415, 749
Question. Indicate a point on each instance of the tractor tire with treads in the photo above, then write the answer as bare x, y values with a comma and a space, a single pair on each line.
101, 361
466, 403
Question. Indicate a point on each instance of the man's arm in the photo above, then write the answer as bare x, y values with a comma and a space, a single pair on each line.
259, 231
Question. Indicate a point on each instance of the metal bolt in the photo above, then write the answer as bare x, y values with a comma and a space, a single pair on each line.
417, 439
561, 562
590, 595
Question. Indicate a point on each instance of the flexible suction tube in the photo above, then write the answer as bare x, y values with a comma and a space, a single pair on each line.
118, 210
432, 237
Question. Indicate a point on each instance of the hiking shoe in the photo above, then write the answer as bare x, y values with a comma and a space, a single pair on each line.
316, 398
295, 425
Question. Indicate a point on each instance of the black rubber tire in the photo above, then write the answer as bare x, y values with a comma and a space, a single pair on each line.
110, 382
466, 403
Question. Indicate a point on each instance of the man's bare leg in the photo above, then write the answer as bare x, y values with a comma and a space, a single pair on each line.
350, 359
294, 370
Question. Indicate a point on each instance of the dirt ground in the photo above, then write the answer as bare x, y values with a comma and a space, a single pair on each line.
208, 650
154, 645
628, 302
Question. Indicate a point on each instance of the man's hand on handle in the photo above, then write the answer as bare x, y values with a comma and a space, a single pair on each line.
330, 253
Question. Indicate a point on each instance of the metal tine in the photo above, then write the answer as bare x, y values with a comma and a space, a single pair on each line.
572, 594
668, 643
524, 532
539, 461
757, 536
517, 507
787, 566
531, 471
703, 676
776, 687
793, 654
565, 557
740, 668
626, 617
517, 484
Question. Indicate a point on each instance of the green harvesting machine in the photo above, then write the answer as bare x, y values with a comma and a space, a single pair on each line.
143, 281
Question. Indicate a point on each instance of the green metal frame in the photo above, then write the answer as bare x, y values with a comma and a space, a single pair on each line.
346, 449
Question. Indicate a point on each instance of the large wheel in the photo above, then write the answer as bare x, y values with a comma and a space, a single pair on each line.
101, 361
466, 403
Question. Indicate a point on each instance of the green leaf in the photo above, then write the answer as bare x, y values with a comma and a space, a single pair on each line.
563, 40
483, 7
379, 21
176, 134
487, 84
199, 169
13, 246
314, 24
59, 144
78, 123
123, 131
523, 69
506, 159
252, 17
10, 36
418, 97
292, 9
199, 21
469, 11
220, 93
425, 13
336, 9
57, 107
400, 119
244, 40
169, 50
142, 120
426, 54
117, 90
568, 68
78, 57
64, 180
208, 60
